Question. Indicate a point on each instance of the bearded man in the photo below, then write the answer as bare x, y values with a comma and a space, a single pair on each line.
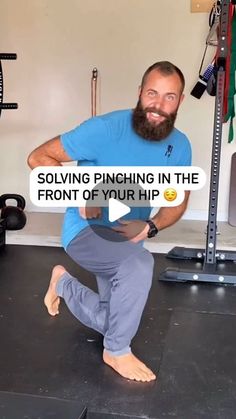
123, 268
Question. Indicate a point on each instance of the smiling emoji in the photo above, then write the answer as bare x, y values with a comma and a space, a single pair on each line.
170, 194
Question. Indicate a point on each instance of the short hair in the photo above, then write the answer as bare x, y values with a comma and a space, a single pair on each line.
166, 68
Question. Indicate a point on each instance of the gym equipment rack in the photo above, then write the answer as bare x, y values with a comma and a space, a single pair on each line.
211, 271
5, 56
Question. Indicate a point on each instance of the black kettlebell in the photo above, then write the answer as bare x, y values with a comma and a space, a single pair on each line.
14, 215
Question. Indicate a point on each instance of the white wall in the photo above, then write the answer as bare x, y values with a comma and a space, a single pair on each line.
58, 42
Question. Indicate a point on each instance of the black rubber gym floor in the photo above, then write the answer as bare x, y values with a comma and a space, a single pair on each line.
52, 367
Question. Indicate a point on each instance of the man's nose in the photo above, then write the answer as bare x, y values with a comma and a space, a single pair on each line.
158, 102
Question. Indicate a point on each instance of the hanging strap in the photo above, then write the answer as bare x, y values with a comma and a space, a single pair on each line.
230, 93
214, 22
211, 40
228, 60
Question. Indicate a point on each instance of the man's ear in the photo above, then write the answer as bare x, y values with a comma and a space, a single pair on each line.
181, 98
139, 91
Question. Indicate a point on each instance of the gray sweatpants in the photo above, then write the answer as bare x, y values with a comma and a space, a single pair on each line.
123, 272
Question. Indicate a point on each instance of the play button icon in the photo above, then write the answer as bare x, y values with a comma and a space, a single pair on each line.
118, 203
117, 210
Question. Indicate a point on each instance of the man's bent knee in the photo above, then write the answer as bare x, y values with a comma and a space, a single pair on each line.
138, 270
143, 266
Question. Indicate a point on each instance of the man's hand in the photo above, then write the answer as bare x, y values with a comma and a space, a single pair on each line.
87, 213
133, 230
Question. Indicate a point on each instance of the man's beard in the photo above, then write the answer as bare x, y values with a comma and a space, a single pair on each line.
152, 131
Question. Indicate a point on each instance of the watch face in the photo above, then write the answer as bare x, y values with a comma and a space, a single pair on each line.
152, 233
152, 229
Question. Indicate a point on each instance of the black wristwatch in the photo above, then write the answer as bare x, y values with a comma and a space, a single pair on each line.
153, 230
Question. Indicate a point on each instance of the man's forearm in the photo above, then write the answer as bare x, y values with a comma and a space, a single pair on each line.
167, 216
50, 153
35, 160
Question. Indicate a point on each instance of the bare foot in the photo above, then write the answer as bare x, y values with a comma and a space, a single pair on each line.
51, 299
129, 367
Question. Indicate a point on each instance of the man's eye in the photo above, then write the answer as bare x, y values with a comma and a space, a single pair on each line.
151, 94
170, 97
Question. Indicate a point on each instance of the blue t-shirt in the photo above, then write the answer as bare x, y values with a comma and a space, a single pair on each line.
109, 140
